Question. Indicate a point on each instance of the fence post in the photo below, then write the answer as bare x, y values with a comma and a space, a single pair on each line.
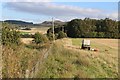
27, 74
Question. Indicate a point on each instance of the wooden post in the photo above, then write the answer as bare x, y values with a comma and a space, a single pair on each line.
27, 74
53, 29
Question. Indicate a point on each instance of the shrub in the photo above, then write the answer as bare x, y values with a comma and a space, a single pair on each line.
50, 36
9, 35
39, 38
27, 35
61, 34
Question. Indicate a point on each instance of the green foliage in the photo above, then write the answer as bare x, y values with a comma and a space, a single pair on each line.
69, 63
26, 35
9, 35
90, 28
61, 34
39, 38
100, 35
50, 36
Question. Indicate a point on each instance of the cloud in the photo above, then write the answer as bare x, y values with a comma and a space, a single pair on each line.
26, 0
51, 9
59, 0
57, 10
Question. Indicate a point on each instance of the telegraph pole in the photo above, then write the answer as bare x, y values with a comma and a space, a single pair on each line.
53, 29
63, 28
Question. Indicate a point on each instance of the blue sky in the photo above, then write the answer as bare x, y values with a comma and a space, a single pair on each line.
65, 11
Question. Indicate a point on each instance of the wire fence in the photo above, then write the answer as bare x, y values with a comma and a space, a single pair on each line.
33, 72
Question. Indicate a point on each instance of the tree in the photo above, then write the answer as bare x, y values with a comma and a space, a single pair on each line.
73, 28
88, 28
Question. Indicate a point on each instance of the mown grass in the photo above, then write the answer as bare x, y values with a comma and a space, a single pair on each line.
76, 41
94, 45
68, 63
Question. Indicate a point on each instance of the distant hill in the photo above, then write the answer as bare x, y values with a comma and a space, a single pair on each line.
18, 22
31, 24
49, 23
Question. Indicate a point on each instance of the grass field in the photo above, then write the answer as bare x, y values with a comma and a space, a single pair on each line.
103, 45
67, 61
42, 30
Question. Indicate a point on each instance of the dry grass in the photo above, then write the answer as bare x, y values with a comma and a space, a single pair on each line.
42, 30
69, 61
106, 57
18, 59
26, 40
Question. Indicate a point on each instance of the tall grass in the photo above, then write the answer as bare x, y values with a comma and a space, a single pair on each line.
63, 63
60, 63
68, 63
18, 59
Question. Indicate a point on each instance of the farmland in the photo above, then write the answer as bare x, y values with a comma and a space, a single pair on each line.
42, 30
61, 39
34, 30
72, 62
67, 60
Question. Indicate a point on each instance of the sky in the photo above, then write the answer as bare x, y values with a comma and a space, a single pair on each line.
39, 11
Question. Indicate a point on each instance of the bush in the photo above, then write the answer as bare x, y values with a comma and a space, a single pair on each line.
27, 36
50, 36
61, 34
39, 38
9, 35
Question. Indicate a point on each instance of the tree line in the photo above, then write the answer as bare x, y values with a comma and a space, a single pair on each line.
90, 28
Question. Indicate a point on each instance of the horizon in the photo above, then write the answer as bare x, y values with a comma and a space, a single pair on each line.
48, 20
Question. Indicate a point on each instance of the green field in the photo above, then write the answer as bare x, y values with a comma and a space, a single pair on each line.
75, 63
